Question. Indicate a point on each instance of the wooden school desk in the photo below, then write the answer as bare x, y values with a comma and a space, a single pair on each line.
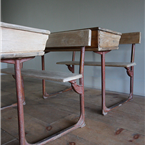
101, 41
20, 44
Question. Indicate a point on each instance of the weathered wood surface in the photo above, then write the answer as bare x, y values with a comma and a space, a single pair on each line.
106, 42
104, 39
99, 40
24, 28
89, 63
21, 54
70, 38
131, 38
47, 75
17, 39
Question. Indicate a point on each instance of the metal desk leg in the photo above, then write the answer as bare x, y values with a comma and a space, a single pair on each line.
12, 61
19, 89
130, 72
45, 94
15, 104
104, 108
78, 88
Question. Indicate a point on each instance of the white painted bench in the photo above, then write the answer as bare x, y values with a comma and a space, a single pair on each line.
47, 75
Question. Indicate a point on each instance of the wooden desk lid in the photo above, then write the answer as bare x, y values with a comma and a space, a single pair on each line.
20, 41
24, 28
96, 39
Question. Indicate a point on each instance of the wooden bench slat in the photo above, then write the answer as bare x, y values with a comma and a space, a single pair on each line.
109, 64
47, 75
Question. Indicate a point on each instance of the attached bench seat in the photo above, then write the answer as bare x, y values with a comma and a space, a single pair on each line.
92, 63
47, 75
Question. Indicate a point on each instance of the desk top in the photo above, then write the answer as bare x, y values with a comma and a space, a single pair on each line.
23, 28
20, 41
94, 39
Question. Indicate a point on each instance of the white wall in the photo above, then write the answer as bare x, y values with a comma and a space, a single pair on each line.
118, 15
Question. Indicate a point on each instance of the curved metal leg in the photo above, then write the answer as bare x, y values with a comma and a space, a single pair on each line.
81, 121
15, 104
45, 94
130, 72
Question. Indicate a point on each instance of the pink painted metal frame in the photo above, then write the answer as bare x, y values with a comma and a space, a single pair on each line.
20, 100
130, 72
12, 61
45, 94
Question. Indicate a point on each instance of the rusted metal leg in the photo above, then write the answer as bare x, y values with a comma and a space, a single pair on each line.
131, 83
12, 61
80, 122
104, 108
45, 94
24, 103
130, 72
80, 89
81, 83
9, 106
15, 104
19, 90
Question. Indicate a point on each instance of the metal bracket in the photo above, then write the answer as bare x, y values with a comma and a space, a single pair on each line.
71, 68
129, 71
76, 88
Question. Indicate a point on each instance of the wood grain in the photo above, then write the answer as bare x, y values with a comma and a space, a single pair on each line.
16, 41
21, 54
130, 38
70, 38
89, 63
24, 28
126, 38
48, 75
96, 39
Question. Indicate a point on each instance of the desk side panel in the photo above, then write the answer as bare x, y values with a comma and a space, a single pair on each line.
18, 41
108, 41
69, 39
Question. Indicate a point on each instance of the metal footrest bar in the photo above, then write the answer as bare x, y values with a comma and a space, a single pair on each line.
107, 109
9, 106
45, 95
79, 124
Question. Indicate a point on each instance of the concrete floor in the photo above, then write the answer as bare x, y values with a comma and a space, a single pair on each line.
123, 126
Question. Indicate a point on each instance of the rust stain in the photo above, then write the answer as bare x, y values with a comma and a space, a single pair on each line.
26, 133
119, 131
136, 136
130, 140
48, 128
72, 143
